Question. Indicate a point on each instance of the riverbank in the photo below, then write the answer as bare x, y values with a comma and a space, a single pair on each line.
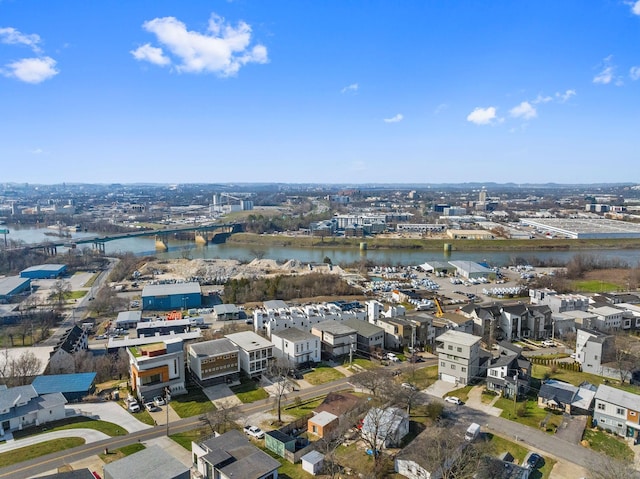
428, 244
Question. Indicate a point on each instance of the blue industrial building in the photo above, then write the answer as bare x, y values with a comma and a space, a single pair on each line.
12, 285
44, 271
172, 296
73, 386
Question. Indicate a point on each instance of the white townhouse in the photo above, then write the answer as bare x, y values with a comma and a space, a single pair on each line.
296, 345
255, 352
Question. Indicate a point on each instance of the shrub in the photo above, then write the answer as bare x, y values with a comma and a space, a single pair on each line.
522, 410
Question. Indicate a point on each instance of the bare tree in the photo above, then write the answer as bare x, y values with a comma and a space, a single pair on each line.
222, 418
624, 357
278, 371
24, 367
380, 430
372, 380
606, 467
59, 293
329, 443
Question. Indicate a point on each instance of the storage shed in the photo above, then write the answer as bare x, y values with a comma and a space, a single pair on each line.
44, 271
312, 462
172, 296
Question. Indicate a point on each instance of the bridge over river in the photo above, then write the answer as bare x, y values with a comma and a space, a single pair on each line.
204, 233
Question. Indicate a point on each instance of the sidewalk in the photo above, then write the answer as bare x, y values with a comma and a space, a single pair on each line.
89, 435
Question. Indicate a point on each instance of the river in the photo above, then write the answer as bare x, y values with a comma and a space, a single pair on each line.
178, 249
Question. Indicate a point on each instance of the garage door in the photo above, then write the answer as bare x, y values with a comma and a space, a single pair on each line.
448, 378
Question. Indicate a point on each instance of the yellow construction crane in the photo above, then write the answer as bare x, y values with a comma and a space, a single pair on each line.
439, 311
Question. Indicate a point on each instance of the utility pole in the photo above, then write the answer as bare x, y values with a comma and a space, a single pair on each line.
167, 398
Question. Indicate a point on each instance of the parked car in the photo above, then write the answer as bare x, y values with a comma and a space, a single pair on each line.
453, 400
133, 407
254, 431
159, 401
548, 343
151, 407
532, 461
295, 374
409, 386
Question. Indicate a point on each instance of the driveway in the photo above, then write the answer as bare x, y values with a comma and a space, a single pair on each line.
109, 411
440, 388
572, 428
221, 396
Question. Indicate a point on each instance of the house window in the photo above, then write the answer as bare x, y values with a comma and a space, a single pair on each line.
464, 370
459, 349
601, 406
450, 347
619, 411
453, 366
632, 413
442, 363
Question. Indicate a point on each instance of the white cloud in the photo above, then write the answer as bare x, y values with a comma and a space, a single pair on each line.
150, 54
37, 151
223, 49
32, 70
542, 99
634, 72
524, 110
394, 119
350, 88
11, 36
440, 108
563, 97
606, 74
635, 8
482, 116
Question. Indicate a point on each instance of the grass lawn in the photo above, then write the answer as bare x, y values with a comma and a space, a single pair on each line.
608, 444
109, 428
195, 403
75, 294
92, 280
144, 416
421, 377
288, 470
363, 363
500, 445
249, 391
533, 416
37, 450
322, 374
185, 438
462, 393
594, 286
121, 452
303, 408
487, 396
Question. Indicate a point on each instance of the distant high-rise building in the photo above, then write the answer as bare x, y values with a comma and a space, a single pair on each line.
482, 197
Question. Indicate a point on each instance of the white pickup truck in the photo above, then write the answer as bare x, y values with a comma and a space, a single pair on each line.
254, 431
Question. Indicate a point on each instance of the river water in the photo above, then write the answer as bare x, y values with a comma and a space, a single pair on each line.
178, 249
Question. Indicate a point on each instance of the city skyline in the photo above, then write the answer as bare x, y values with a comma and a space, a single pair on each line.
310, 92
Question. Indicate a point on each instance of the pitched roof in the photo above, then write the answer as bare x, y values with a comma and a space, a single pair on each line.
618, 397
242, 459
63, 383
338, 403
558, 391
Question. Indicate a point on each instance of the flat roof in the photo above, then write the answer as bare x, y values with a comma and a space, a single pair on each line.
294, 334
128, 316
364, 328
150, 463
459, 337
470, 266
580, 228
10, 283
249, 340
45, 267
128, 342
171, 289
323, 418
214, 347
333, 327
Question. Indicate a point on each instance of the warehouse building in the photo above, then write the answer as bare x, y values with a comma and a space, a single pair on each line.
11, 286
584, 228
172, 296
73, 387
44, 271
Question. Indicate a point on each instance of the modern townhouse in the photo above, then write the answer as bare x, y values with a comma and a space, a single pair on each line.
157, 368
22, 407
617, 411
608, 318
369, 337
213, 362
509, 373
458, 357
336, 338
593, 350
297, 346
255, 352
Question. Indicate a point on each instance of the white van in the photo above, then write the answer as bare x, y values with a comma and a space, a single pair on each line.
473, 432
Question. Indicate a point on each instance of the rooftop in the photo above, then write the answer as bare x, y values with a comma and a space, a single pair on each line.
334, 327
171, 289
214, 347
249, 341
458, 337
294, 334
150, 463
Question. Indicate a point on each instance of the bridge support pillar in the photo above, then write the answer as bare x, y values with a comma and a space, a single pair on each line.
99, 247
201, 237
161, 242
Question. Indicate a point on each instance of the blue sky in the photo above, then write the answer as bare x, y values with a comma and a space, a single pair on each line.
337, 91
